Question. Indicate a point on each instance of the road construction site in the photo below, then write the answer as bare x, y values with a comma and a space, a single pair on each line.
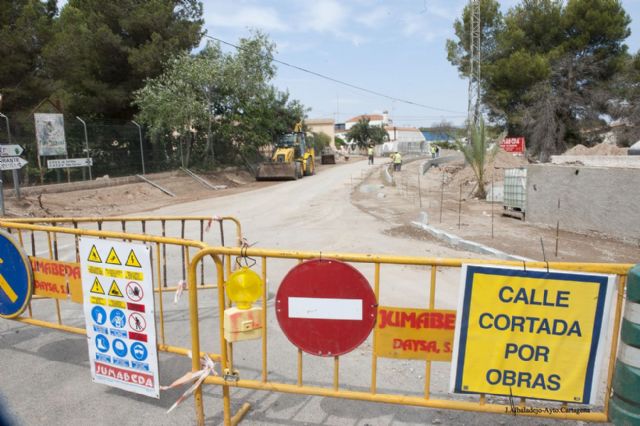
349, 208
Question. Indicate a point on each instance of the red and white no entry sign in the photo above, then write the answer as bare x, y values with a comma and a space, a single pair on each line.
326, 307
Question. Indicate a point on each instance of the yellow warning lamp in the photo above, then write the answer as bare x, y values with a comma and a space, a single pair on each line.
244, 287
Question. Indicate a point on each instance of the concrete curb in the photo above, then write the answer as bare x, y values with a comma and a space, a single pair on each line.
463, 244
437, 161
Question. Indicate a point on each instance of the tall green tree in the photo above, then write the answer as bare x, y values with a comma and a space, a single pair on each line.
544, 62
225, 97
102, 51
25, 29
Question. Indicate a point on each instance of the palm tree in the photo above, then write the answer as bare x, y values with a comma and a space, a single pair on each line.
476, 155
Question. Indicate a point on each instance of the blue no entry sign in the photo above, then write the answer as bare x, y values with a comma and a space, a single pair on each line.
16, 278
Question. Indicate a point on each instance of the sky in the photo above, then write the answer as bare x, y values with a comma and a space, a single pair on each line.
393, 47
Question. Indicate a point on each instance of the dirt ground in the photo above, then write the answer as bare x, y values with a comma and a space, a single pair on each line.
461, 214
458, 213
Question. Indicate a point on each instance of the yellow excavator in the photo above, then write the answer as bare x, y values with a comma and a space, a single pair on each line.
291, 159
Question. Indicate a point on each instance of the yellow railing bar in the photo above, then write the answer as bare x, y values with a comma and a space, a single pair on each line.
159, 290
395, 399
374, 358
605, 268
265, 292
432, 304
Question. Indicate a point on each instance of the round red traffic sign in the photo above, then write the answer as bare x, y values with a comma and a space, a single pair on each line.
326, 307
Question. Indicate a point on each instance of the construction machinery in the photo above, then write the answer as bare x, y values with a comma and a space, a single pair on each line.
292, 158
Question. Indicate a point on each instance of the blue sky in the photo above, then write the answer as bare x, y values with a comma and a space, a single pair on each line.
396, 47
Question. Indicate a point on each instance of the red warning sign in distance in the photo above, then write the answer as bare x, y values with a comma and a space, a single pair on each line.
326, 307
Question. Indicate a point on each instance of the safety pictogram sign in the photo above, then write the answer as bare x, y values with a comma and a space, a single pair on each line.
325, 307
530, 333
134, 291
114, 290
112, 257
132, 260
97, 287
16, 278
120, 315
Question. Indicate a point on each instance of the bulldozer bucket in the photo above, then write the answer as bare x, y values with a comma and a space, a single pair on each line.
277, 171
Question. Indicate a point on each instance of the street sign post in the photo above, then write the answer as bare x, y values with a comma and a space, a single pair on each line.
16, 278
10, 150
12, 163
326, 307
69, 162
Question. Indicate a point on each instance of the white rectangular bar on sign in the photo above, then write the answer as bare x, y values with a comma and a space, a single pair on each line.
321, 308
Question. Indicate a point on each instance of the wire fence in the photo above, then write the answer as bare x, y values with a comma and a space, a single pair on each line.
116, 148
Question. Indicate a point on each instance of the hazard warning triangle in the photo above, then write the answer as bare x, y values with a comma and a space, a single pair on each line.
97, 287
114, 290
94, 256
113, 258
132, 260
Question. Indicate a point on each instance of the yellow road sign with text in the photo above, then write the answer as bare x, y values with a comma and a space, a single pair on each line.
534, 333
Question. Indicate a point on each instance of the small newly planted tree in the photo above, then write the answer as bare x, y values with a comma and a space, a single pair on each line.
477, 153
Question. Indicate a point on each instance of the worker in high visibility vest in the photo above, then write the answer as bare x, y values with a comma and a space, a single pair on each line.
370, 154
397, 162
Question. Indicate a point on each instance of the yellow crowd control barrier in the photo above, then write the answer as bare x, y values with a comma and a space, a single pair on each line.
239, 375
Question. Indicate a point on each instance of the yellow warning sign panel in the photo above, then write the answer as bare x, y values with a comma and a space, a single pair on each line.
94, 256
535, 333
132, 260
414, 333
113, 258
114, 290
97, 287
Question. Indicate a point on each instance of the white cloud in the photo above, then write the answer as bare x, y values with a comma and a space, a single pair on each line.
374, 17
246, 17
325, 15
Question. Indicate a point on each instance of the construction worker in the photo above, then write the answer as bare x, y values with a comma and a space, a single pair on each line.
370, 154
433, 151
397, 162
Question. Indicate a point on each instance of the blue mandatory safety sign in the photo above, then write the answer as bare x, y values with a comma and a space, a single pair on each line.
102, 343
118, 318
99, 315
140, 366
139, 351
16, 278
120, 348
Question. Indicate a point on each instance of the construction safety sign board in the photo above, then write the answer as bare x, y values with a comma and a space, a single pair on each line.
530, 333
16, 278
414, 333
60, 280
120, 315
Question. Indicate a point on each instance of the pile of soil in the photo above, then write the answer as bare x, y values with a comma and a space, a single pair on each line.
457, 174
600, 149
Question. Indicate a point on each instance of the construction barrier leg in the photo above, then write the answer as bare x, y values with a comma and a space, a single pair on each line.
624, 406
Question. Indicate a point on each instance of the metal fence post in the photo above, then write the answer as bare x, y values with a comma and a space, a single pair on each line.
141, 150
86, 145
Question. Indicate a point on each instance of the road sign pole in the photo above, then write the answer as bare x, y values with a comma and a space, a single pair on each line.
86, 145
14, 173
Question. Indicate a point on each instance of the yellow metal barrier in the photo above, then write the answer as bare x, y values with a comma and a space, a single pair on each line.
222, 261
373, 395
